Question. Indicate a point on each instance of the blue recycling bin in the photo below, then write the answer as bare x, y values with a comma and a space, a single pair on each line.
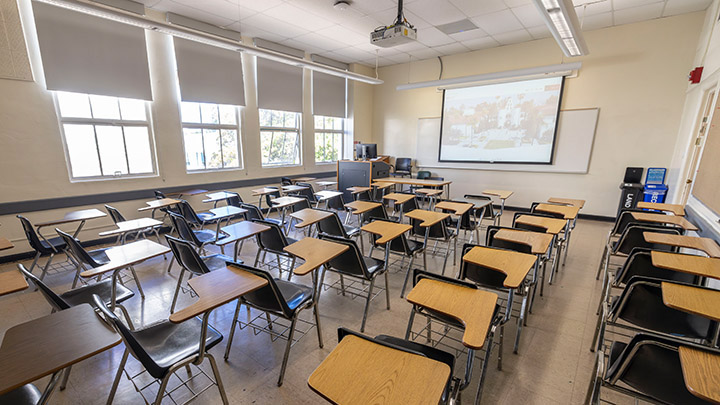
655, 188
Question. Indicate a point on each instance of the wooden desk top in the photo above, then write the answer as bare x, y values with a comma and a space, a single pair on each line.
399, 198
161, 203
226, 211
292, 188
456, 207
382, 184
12, 281
315, 252
132, 225
360, 207
75, 216
429, 218
128, 255
327, 194
707, 245
569, 201
45, 345
360, 372
265, 190
539, 242
675, 209
474, 308
386, 229
429, 191
503, 194
568, 211
5, 244
219, 196
189, 191
514, 265
358, 190
309, 216
701, 371
552, 225
218, 288
283, 202
241, 230
414, 182
691, 299
303, 179
697, 265
326, 183
664, 219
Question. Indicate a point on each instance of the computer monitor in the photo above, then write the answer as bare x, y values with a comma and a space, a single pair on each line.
366, 150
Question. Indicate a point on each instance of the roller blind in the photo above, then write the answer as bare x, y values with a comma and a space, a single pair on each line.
209, 74
279, 86
86, 54
329, 95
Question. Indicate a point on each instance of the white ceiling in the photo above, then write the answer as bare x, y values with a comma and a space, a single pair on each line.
315, 26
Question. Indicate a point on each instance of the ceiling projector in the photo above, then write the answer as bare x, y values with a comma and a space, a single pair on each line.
400, 32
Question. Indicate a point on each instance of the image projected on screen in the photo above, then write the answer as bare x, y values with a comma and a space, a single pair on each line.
501, 123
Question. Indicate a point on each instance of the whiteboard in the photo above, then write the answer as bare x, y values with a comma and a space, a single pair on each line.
575, 136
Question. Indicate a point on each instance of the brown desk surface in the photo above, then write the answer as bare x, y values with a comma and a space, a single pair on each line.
429, 218
503, 194
315, 252
219, 196
131, 226
675, 209
359, 372
45, 345
309, 216
241, 230
293, 187
128, 255
190, 191
664, 219
539, 242
570, 201
552, 225
361, 207
226, 211
5, 244
474, 308
707, 245
75, 216
429, 191
285, 201
382, 184
327, 194
161, 203
218, 288
326, 183
698, 265
701, 371
358, 190
414, 182
399, 198
694, 300
12, 281
456, 207
265, 190
302, 179
514, 265
568, 211
386, 229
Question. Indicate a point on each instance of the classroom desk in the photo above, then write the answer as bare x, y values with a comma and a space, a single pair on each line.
5, 244
12, 281
359, 208
325, 184
418, 182
238, 232
224, 213
428, 218
380, 186
309, 216
302, 179
354, 191
189, 191
675, 209
552, 225
697, 265
691, 299
327, 195
400, 199
218, 196
457, 208
539, 245
387, 232
75, 216
664, 219
283, 203
569, 212
706, 245
293, 188
502, 194
359, 372
133, 225
158, 204
701, 371
431, 193
260, 192
315, 252
569, 201
48, 345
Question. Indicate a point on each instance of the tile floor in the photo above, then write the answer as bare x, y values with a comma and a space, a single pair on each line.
554, 364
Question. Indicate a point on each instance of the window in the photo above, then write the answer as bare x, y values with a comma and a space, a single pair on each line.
210, 133
105, 136
279, 138
329, 134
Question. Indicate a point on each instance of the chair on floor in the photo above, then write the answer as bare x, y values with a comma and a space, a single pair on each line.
469, 222
274, 241
235, 200
280, 298
492, 241
308, 192
198, 237
488, 211
299, 206
285, 181
253, 212
333, 226
198, 219
268, 200
408, 206
401, 246
118, 217
403, 167
353, 264
42, 247
438, 232
421, 175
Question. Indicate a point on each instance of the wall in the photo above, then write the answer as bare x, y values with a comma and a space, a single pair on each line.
635, 73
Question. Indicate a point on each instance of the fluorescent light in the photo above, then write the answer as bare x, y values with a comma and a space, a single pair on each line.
124, 17
563, 23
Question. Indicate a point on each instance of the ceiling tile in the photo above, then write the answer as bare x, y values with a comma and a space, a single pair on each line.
269, 24
193, 12
372, 6
539, 32
220, 8
589, 7
496, 23
621, 4
513, 37
452, 49
675, 7
316, 40
594, 22
635, 14
467, 35
472, 8
343, 35
290, 14
424, 53
431, 36
434, 13
338, 57
517, 3
481, 43
258, 6
411, 46
388, 16
528, 15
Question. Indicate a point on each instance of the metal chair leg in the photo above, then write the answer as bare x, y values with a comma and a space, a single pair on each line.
66, 376
317, 325
232, 329
367, 305
521, 319
602, 262
177, 290
500, 347
387, 290
137, 282
47, 265
287, 351
483, 370
116, 381
407, 276
161, 389
35, 260
172, 259
218, 380
410, 323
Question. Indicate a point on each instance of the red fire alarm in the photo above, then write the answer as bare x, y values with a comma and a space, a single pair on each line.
695, 75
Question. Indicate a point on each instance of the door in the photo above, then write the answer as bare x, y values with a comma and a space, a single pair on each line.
696, 146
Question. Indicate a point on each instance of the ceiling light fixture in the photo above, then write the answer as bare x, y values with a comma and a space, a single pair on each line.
341, 5
113, 14
563, 23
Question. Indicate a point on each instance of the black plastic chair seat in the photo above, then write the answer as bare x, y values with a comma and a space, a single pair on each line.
206, 216
351, 230
290, 241
217, 261
58, 243
103, 289
100, 256
168, 343
274, 221
28, 394
373, 265
294, 294
414, 245
204, 235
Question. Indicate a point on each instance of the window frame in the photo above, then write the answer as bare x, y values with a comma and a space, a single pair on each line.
237, 127
342, 132
148, 123
298, 144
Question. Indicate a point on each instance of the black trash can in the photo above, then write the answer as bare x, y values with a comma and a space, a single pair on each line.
632, 188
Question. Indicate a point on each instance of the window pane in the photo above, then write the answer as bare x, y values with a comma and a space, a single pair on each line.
338, 123
210, 113
194, 159
73, 105
190, 112
290, 147
139, 154
319, 149
265, 118
105, 107
132, 109
318, 122
276, 119
228, 115
112, 150
276, 148
290, 120
229, 148
80, 140
213, 155
265, 142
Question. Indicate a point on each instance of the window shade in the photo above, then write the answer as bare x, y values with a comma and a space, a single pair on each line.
209, 74
328, 95
279, 86
86, 54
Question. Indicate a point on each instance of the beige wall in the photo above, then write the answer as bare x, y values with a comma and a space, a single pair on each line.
636, 74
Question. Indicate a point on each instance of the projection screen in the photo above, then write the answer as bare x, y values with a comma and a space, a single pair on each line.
512, 122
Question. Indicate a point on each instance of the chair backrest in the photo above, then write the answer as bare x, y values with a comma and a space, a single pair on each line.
273, 239
403, 165
55, 301
399, 244
285, 181
77, 250
351, 261
187, 256
437, 231
423, 174
465, 219
633, 237
187, 211
337, 203
159, 195
526, 227
624, 219
490, 240
639, 264
308, 192
332, 225
115, 214
488, 210
271, 196
533, 210
32, 236
253, 212
484, 276
183, 229
377, 212
268, 298
234, 200
301, 205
